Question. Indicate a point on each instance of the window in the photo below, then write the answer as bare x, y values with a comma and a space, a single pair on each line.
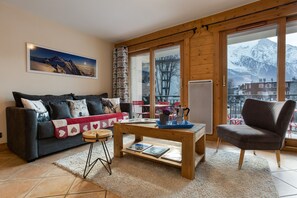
139, 81
163, 88
291, 73
167, 74
251, 59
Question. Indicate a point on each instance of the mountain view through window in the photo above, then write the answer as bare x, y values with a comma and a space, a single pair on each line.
252, 71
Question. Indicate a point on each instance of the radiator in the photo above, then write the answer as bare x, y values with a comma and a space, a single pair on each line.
200, 101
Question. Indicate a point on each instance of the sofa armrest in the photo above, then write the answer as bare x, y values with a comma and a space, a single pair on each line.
126, 107
22, 132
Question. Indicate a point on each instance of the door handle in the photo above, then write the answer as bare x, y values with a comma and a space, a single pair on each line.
224, 81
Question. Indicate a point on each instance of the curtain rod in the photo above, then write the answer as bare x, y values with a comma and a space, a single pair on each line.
192, 29
207, 25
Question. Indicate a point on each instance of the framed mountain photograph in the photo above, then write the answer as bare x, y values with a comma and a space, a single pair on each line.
49, 61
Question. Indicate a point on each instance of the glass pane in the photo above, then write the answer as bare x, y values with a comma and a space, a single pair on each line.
140, 83
251, 69
167, 77
291, 73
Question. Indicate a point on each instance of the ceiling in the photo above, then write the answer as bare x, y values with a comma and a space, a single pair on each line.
119, 20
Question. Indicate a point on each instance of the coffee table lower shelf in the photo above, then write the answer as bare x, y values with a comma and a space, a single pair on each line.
198, 158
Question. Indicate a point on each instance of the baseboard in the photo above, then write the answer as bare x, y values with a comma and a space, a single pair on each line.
3, 147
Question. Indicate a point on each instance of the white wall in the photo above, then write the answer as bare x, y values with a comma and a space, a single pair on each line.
18, 27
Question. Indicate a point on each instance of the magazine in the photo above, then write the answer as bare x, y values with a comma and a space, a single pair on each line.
173, 154
139, 146
138, 121
156, 151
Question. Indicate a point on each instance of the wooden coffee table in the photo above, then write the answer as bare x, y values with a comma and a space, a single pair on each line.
192, 140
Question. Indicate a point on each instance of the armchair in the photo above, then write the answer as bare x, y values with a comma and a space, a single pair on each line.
265, 127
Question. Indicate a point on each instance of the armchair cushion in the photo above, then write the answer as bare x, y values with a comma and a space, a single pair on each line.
272, 116
249, 138
261, 114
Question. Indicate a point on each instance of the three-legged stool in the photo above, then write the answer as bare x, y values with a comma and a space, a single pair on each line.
102, 136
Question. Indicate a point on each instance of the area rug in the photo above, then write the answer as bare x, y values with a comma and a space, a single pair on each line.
218, 176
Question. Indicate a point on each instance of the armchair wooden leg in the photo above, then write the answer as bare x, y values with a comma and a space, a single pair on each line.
254, 152
277, 152
218, 144
241, 158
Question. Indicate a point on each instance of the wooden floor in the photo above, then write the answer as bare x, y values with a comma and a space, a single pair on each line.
43, 179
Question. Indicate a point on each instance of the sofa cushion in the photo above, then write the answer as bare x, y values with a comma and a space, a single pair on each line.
78, 108
95, 107
90, 97
111, 105
46, 99
37, 105
59, 110
45, 130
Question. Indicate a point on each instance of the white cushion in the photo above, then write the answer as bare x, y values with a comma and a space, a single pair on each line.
37, 105
111, 105
78, 108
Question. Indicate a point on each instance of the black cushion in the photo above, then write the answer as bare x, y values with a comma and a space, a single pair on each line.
91, 97
46, 99
45, 130
248, 137
95, 107
59, 110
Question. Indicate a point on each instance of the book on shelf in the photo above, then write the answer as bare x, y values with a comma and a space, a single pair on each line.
156, 151
174, 154
139, 146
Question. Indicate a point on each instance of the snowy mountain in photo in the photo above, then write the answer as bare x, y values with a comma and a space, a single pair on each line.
255, 60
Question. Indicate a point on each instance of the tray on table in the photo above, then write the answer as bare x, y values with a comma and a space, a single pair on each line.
184, 125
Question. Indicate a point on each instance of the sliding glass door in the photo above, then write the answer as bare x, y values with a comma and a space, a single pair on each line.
251, 69
139, 83
291, 73
154, 92
261, 63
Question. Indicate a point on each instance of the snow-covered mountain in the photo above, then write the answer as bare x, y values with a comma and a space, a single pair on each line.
60, 65
254, 60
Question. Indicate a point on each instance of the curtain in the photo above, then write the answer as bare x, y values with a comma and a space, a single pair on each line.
120, 87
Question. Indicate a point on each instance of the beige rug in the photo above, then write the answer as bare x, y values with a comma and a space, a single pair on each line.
217, 177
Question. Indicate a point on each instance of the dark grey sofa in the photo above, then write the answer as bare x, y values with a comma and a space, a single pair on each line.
30, 139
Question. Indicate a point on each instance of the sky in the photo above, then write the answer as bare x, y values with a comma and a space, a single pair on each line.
291, 39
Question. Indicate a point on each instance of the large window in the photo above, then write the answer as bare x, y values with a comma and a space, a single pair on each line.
291, 73
167, 74
139, 82
251, 69
152, 93
257, 68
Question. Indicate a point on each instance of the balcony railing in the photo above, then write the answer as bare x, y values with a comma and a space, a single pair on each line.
163, 98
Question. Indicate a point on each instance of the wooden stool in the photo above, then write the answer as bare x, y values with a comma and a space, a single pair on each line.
92, 136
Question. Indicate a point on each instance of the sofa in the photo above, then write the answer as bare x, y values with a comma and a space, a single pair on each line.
30, 138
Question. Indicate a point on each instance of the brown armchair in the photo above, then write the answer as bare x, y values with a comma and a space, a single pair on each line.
265, 127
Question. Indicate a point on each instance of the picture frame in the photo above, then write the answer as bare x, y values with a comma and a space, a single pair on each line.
45, 60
